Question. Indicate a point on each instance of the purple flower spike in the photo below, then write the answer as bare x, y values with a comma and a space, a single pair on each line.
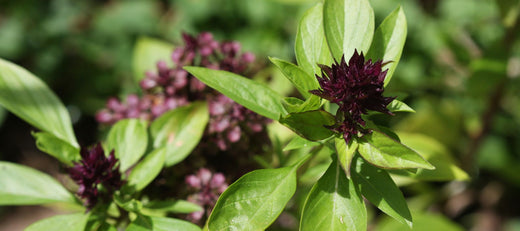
356, 87
93, 170
208, 186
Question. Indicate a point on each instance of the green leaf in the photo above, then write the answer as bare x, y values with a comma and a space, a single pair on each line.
389, 41
146, 170
422, 222
299, 78
146, 223
310, 124
21, 185
255, 200
26, 96
54, 146
445, 166
128, 138
385, 152
252, 95
349, 25
294, 105
376, 186
399, 106
310, 46
147, 52
127, 203
346, 153
180, 130
174, 206
299, 142
67, 222
334, 203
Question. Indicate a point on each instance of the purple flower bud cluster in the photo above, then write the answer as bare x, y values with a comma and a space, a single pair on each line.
93, 170
170, 87
356, 87
207, 186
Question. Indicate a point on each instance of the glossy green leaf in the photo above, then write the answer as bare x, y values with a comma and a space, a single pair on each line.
349, 25
445, 166
147, 52
57, 148
345, 153
298, 77
310, 46
180, 130
299, 142
294, 105
376, 186
146, 223
422, 222
334, 203
26, 96
67, 222
147, 169
128, 138
389, 41
174, 206
399, 106
385, 152
255, 200
21, 185
252, 95
310, 124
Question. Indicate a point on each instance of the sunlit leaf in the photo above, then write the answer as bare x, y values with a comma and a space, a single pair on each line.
128, 138
399, 106
388, 41
147, 223
180, 130
174, 206
252, 95
299, 142
59, 149
349, 25
385, 152
67, 222
376, 186
310, 124
29, 98
300, 79
255, 200
310, 46
147, 169
346, 153
334, 203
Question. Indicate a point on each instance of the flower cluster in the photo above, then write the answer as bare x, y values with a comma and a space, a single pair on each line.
208, 187
94, 170
356, 87
171, 87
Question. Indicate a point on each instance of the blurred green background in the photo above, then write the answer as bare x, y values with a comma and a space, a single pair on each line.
459, 70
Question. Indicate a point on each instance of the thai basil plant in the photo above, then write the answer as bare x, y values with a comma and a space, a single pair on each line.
343, 67
201, 107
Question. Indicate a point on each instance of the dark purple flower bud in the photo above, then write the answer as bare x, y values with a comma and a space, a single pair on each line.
93, 170
356, 88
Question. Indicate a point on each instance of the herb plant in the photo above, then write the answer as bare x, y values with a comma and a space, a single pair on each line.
344, 65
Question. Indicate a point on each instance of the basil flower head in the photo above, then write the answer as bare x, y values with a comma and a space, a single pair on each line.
356, 88
95, 170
